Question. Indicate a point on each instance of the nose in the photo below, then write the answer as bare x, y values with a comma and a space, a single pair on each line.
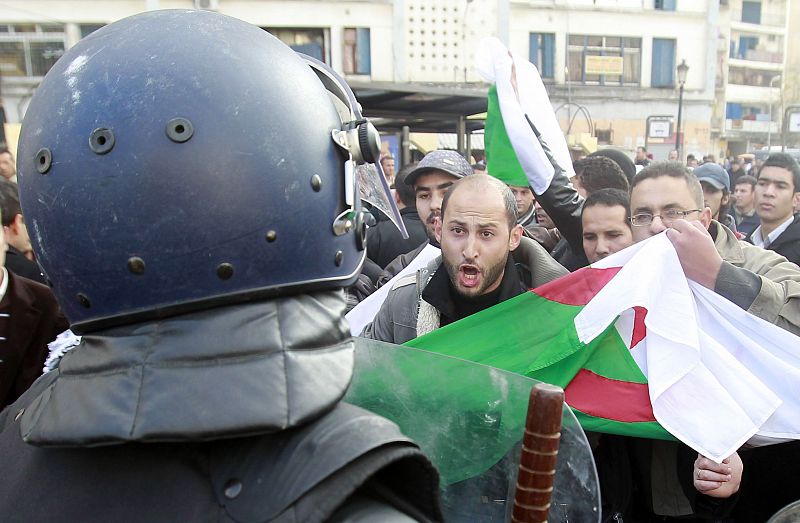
602, 248
436, 202
657, 225
470, 251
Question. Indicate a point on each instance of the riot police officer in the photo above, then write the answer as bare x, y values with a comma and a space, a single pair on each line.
186, 183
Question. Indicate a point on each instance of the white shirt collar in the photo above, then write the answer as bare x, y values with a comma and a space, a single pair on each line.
758, 239
4, 285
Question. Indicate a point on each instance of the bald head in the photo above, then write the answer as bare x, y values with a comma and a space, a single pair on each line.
488, 186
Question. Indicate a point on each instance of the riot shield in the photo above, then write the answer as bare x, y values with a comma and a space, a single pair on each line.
788, 514
469, 420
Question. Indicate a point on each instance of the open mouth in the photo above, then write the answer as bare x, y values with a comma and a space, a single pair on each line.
469, 275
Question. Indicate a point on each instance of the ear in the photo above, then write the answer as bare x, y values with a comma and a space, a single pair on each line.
705, 217
515, 237
16, 224
725, 199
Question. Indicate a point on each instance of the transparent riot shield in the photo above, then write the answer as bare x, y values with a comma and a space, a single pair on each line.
469, 420
788, 514
373, 189
370, 180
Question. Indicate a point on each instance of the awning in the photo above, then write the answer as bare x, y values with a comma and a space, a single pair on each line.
421, 107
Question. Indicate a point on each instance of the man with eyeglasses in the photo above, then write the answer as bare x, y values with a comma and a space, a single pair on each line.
667, 196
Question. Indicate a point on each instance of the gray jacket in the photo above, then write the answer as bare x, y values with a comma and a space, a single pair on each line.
405, 315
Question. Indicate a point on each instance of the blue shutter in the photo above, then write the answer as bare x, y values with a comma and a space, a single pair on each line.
663, 63
363, 58
312, 49
533, 53
751, 12
747, 43
668, 5
548, 55
733, 111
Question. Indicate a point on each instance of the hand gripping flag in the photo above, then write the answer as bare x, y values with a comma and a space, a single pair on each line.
517, 102
642, 351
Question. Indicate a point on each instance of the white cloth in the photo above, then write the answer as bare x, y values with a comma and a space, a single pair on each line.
64, 342
4, 284
494, 63
362, 314
758, 238
717, 375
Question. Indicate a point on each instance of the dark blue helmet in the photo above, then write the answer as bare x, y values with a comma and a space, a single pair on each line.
178, 160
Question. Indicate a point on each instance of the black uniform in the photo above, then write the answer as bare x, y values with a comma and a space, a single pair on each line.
179, 420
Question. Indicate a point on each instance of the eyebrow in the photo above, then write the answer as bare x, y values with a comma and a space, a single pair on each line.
486, 225
670, 205
444, 185
771, 180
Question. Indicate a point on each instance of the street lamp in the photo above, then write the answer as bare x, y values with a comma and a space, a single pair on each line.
682, 70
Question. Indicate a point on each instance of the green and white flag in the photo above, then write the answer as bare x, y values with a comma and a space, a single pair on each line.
642, 351
518, 100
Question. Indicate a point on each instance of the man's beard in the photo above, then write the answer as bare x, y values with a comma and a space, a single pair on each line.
489, 276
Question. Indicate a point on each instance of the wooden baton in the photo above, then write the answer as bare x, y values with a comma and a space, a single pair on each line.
537, 466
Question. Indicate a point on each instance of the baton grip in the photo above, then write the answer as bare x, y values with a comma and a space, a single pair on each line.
537, 467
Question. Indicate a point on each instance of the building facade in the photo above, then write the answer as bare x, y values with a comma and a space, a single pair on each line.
751, 73
609, 65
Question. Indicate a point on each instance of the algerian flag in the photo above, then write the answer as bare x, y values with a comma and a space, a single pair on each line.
518, 100
642, 351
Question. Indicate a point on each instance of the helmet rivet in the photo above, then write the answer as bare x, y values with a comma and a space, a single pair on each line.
101, 140
225, 271
43, 160
136, 265
83, 300
179, 130
338, 258
272, 236
316, 183
232, 489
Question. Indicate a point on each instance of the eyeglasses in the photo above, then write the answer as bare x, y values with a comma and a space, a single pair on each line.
670, 215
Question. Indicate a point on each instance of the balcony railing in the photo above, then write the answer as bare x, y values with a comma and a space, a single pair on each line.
767, 18
751, 126
757, 55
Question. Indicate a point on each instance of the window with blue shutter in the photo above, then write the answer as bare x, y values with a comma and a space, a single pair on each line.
542, 53
664, 5
357, 56
751, 12
663, 65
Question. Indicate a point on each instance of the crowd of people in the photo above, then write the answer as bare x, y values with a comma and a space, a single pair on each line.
214, 356
498, 238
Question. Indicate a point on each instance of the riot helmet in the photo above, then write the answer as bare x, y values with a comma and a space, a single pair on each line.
180, 160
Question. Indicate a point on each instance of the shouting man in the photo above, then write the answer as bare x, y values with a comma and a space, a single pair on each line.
485, 260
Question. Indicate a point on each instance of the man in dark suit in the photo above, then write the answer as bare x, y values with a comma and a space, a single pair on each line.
384, 242
29, 319
19, 257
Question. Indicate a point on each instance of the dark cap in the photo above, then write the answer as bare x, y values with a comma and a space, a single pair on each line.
714, 175
450, 162
621, 159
